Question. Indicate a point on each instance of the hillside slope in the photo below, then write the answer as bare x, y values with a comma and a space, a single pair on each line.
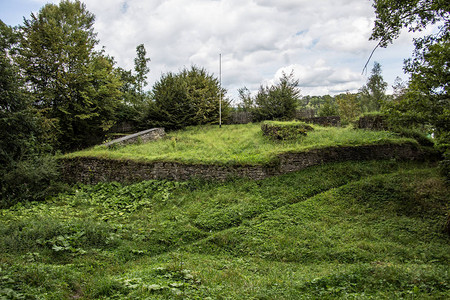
345, 230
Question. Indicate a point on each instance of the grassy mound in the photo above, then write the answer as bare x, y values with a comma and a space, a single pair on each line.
237, 144
345, 230
285, 130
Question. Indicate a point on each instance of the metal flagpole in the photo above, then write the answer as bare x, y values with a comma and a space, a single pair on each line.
220, 90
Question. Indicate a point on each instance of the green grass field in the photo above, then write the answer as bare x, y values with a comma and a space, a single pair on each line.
353, 230
237, 144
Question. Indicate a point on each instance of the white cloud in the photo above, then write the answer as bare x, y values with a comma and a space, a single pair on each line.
320, 78
325, 42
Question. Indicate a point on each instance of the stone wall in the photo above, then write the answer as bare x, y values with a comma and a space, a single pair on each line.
242, 117
142, 136
324, 121
91, 170
239, 117
305, 113
372, 122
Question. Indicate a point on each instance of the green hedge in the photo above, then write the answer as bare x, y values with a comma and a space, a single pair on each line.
285, 130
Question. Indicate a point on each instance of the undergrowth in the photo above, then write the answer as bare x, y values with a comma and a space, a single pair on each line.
353, 230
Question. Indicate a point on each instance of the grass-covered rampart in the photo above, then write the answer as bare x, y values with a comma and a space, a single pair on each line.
237, 144
356, 230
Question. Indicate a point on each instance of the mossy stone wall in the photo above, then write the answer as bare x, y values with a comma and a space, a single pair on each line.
91, 170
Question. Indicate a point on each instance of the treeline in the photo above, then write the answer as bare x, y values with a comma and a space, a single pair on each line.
370, 98
283, 100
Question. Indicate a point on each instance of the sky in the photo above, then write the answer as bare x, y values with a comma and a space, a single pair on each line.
324, 42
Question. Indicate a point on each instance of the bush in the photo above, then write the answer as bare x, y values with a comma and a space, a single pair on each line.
380, 121
285, 130
188, 98
416, 134
28, 180
278, 102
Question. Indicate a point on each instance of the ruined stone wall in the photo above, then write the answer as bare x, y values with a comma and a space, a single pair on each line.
372, 122
91, 170
324, 121
142, 136
240, 117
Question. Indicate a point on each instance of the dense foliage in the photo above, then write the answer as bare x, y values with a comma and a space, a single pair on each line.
190, 97
71, 82
349, 107
427, 101
326, 106
24, 136
276, 102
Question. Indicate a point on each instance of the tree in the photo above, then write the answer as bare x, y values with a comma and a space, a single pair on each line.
190, 97
427, 99
71, 82
394, 15
349, 107
246, 101
278, 101
328, 106
373, 94
399, 88
25, 173
142, 69
128, 87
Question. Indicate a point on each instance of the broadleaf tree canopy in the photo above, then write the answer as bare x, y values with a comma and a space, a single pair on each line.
427, 99
68, 77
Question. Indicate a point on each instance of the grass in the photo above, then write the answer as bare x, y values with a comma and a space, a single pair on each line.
353, 230
237, 145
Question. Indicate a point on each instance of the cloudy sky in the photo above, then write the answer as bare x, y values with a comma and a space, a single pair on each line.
325, 42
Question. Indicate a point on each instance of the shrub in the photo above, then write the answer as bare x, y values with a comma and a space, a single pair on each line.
285, 130
416, 134
28, 180
381, 121
190, 97
277, 102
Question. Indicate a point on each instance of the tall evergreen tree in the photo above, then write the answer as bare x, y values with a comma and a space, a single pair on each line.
190, 97
278, 101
